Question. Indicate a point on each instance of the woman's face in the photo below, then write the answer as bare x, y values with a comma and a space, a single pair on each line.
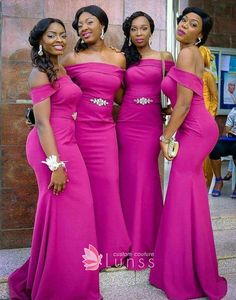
89, 28
189, 29
140, 31
53, 40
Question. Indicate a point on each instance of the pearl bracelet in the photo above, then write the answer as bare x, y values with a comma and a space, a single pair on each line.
165, 140
52, 163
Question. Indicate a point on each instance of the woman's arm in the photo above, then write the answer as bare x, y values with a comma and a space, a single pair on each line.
45, 132
117, 103
226, 130
213, 95
168, 56
69, 59
121, 61
119, 95
186, 62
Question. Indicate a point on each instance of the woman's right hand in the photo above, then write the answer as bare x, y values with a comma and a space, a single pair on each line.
29, 124
164, 148
58, 180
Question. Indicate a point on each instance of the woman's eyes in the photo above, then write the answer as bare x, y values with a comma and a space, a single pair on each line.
191, 23
135, 29
88, 23
53, 36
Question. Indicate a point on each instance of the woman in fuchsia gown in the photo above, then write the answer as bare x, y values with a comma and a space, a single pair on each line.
185, 263
139, 127
99, 71
64, 238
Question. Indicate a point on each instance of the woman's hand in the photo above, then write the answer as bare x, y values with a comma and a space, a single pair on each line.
168, 111
114, 48
164, 148
58, 180
29, 124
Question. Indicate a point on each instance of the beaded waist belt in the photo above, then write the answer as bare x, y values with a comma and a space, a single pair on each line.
143, 101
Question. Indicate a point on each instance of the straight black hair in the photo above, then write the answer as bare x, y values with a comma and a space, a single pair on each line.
94, 10
131, 52
207, 21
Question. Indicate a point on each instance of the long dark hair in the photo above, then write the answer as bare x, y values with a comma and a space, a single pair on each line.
94, 10
207, 21
43, 63
131, 52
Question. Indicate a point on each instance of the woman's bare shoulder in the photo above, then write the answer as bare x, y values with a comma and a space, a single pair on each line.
37, 78
187, 59
168, 55
117, 57
70, 59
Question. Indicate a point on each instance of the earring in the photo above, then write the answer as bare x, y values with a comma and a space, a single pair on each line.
81, 41
150, 41
102, 34
130, 42
198, 41
40, 52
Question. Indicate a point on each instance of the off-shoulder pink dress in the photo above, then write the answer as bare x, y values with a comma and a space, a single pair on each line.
96, 137
64, 224
185, 257
139, 127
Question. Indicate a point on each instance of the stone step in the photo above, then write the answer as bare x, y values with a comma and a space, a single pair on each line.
223, 212
223, 208
117, 282
133, 290
148, 292
225, 242
223, 223
132, 285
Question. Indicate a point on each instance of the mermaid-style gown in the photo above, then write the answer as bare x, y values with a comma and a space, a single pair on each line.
185, 258
96, 137
64, 224
139, 127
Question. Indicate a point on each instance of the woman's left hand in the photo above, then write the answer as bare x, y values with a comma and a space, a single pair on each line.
164, 148
167, 111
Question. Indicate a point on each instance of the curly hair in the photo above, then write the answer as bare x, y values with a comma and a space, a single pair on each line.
43, 63
94, 10
207, 21
131, 52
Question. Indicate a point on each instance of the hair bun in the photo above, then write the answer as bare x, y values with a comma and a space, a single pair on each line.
126, 26
32, 37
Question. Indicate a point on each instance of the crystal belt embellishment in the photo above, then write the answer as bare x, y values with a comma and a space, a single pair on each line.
99, 101
143, 101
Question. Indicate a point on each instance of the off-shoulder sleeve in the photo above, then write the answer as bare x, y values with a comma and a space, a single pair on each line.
187, 79
72, 70
41, 93
169, 64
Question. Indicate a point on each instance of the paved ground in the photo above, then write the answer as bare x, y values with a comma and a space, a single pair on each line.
128, 285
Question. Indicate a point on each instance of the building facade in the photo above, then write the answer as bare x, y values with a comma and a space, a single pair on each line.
18, 190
